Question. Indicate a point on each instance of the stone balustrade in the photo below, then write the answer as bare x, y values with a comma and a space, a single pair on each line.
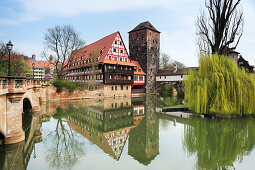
19, 84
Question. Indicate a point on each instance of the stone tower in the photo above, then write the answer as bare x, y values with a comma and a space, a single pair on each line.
144, 45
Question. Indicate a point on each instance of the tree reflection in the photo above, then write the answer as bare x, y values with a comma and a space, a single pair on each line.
65, 147
219, 143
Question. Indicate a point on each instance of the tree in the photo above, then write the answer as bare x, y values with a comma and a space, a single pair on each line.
61, 41
94, 66
166, 62
19, 66
219, 31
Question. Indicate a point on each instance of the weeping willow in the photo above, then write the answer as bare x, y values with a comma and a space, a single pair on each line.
220, 86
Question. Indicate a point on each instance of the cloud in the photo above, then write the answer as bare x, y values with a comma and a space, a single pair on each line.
37, 9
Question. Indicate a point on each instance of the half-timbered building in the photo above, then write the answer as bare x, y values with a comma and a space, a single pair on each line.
139, 79
104, 64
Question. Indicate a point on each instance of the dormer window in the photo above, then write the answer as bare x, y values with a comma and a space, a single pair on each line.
114, 50
121, 51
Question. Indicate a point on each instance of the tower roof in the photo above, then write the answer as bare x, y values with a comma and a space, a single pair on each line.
144, 25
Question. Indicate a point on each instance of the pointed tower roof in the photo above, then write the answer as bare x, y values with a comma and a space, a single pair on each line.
144, 25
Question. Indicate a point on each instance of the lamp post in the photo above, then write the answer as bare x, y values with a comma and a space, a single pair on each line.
9, 48
33, 64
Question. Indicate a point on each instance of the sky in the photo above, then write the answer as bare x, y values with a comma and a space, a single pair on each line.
24, 22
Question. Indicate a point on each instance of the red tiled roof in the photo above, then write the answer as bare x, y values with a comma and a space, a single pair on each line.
103, 45
136, 63
40, 64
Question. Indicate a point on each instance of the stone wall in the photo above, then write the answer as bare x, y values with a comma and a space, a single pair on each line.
2, 114
117, 90
144, 46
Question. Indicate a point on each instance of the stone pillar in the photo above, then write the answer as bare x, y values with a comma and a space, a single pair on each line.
14, 131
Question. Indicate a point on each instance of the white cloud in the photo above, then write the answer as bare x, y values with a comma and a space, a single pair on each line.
36, 9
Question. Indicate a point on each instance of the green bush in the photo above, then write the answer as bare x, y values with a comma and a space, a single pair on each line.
220, 86
60, 85
166, 90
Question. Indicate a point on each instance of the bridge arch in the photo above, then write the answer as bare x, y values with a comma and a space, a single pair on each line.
26, 116
2, 137
27, 105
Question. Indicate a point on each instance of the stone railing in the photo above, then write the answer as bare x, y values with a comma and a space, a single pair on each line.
19, 84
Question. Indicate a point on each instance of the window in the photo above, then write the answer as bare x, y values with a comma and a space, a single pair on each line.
125, 60
110, 57
116, 42
139, 70
112, 90
121, 87
115, 58
126, 87
116, 89
120, 59
110, 76
114, 50
181, 76
120, 43
121, 51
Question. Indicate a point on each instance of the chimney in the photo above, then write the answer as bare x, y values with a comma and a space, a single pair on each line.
33, 57
175, 68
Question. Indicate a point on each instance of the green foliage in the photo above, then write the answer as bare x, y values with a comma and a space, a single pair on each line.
166, 90
60, 85
168, 101
19, 67
217, 144
220, 87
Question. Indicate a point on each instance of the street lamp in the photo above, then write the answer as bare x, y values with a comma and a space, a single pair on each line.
33, 64
9, 48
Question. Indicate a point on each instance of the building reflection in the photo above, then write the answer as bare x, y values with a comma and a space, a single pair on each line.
143, 142
108, 124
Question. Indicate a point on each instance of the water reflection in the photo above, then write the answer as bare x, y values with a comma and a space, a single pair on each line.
217, 144
64, 141
106, 124
144, 140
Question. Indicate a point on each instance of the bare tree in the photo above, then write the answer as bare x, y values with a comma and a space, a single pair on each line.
61, 41
94, 55
220, 29
164, 61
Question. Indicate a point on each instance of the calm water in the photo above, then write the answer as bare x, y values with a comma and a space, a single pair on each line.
125, 133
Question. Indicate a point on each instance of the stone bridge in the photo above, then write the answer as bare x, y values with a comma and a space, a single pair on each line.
16, 96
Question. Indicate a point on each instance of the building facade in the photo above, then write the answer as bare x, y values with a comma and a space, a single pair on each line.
103, 65
144, 46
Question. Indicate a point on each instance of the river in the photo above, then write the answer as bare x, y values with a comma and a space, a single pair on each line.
128, 133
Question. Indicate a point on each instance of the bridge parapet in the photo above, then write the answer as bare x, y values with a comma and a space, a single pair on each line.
19, 84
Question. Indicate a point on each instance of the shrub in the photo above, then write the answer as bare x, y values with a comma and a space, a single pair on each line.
220, 86
166, 90
60, 85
